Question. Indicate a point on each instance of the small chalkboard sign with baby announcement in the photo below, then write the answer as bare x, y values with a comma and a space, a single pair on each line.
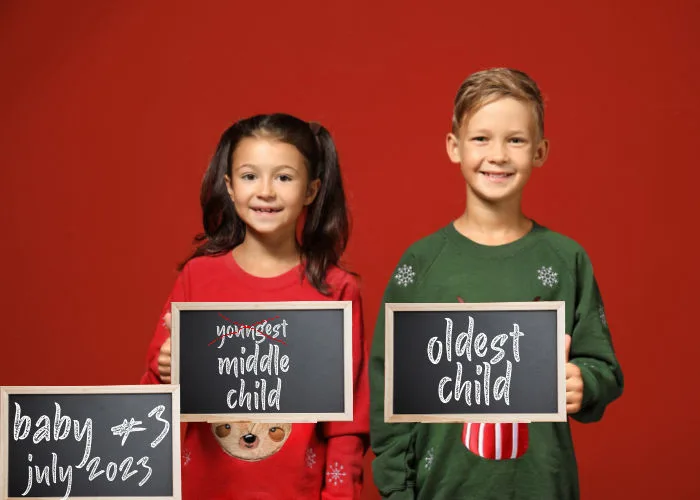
114, 442
263, 361
487, 362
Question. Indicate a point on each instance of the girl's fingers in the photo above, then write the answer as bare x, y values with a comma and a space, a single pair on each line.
167, 321
165, 348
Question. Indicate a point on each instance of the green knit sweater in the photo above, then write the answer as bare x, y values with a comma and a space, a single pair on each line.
430, 461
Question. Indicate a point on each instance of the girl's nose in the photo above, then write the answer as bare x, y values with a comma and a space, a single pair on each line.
266, 190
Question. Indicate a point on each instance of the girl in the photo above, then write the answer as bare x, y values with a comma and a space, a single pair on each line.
272, 178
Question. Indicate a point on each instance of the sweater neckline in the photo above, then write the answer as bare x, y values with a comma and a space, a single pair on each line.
288, 278
472, 248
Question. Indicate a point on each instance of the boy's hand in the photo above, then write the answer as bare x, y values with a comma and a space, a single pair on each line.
164, 355
574, 382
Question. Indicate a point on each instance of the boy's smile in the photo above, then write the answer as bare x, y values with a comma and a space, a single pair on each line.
497, 176
497, 147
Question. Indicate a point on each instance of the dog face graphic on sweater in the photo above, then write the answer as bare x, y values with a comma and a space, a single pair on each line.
251, 441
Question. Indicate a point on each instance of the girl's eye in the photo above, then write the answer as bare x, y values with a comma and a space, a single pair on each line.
248, 177
285, 178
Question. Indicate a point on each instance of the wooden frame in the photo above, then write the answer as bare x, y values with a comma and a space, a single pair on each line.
6, 391
558, 416
345, 306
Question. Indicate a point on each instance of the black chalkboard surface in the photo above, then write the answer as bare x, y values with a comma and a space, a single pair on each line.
96, 442
488, 362
268, 361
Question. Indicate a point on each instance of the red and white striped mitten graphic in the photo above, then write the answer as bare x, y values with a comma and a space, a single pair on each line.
500, 441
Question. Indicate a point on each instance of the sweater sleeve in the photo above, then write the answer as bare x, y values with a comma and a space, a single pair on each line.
347, 441
592, 348
394, 467
177, 294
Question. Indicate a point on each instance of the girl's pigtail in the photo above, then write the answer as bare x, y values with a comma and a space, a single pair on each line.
325, 232
222, 228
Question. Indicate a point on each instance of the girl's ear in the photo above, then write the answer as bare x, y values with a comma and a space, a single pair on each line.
452, 144
312, 191
541, 153
229, 187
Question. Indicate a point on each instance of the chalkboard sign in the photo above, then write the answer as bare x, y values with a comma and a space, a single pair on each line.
70, 442
488, 362
263, 362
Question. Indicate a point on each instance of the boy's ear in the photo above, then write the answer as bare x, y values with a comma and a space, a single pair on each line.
541, 153
452, 144
312, 191
228, 186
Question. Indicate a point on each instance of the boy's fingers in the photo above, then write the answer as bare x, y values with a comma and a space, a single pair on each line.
567, 346
573, 408
572, 371
165, 348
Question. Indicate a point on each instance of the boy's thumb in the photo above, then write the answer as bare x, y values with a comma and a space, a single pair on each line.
567, 346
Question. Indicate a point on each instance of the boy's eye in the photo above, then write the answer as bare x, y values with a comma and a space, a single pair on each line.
517, 140
479, 138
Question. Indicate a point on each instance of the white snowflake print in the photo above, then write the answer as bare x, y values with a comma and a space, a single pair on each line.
310, 458
603, 319
547, 276
404, 275
186, 457
429, 458
336, 474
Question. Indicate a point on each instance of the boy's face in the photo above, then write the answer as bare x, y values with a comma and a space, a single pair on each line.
497, 147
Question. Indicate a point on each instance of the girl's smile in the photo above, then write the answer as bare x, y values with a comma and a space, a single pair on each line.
266, 210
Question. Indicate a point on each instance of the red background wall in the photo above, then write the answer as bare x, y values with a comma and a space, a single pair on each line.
111, 110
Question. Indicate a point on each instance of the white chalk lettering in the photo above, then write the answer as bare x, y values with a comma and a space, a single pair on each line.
441, 395
158, 411
486, 386
254, 363
431, 349
258, 332
516, 334
260, 399
500, 353
55, 473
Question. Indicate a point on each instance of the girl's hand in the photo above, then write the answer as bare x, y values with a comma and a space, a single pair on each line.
574, 381
164, 355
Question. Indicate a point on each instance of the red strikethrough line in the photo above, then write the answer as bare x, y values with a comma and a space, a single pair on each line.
249, 326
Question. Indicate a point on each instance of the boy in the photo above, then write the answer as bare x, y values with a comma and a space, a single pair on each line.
494, 253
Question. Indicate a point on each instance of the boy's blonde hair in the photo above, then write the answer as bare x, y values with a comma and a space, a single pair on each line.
484, 87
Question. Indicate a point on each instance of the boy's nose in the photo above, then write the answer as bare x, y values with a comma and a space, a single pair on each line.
498, 154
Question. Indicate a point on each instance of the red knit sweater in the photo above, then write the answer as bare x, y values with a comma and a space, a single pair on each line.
317, 460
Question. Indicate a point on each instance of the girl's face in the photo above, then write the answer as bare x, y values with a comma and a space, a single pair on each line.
497, 147
270, 186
